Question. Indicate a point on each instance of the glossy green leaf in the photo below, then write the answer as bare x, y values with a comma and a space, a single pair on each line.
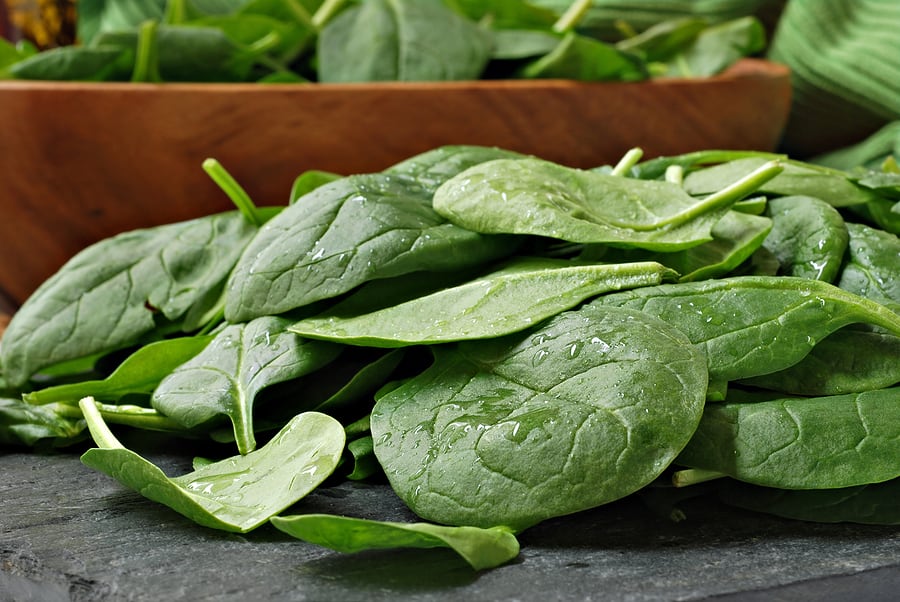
515, 297
798, 179
76, 63
342, 234
718, 46
596, 403
398, 40
481, 548
802, 443
235, 494
532, 196
848, 361
22, 423
135, 279
808, 237
872, 269
434, 167
141, 372
752, 325
226, 377
97, 16
581, 58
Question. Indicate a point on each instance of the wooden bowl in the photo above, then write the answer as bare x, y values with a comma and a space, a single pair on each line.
83, 161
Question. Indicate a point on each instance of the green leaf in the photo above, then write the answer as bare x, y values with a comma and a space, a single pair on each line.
481, 548
342, 234
581, 58
719, 46
225, 378
116, 291
752, 325
801, 443
24, 424
875, 504
141, 372
833, 186
310, 180
432, 168
515, 297
76, 63
872, 268
532, 196
808, 237
235, 494
847, 361
595, 403
98, 16
397, 40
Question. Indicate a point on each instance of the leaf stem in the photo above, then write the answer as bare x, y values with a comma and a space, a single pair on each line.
235, 192
572, 16
693, 476
146, 61
325, 12
176, 12
629, 160
737, 190
100, 433
675, 174
299, 11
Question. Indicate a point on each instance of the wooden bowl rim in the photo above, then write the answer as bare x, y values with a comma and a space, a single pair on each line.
747, 68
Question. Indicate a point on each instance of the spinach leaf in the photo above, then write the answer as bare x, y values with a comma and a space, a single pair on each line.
24, 424
398, 40
596, 403
735, 238
661, 41
225, 378
582, 58
516, 44
752, 325
532, 196
310, 180
872, 269
808, 237
235, 494
481, 548
76, 63
98, 16
801, 443
247, 29
432, 168
515, 297
718, 46
506, 14
141, 372
118, 290
874, 504
833, 186
848, 361
342, 234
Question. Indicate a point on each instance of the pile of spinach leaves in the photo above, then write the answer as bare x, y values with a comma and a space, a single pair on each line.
282, 41
485, 330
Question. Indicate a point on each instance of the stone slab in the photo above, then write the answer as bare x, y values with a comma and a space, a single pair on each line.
70, 533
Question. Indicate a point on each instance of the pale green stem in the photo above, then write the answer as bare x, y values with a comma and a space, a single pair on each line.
100, 433
328, 10
736, 191
233, 190
675, 174
299, 11
176, 12
629, 160
146, 61
693, 476
573, 15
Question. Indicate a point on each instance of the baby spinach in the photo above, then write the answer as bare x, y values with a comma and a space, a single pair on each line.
752, 325
397, 40
801, 443
532, 196
22, 423
139, 279
141, 372
225, 378
235, 494
872, 269
596, 402
873, 504
582, 58
798, 179
515, 297
847, 361
808, 237
342, 234
481, 548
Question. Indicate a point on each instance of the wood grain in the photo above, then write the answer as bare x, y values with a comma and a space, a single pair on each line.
80, 162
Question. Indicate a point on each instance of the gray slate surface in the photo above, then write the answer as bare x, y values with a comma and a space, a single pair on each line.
70, 533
